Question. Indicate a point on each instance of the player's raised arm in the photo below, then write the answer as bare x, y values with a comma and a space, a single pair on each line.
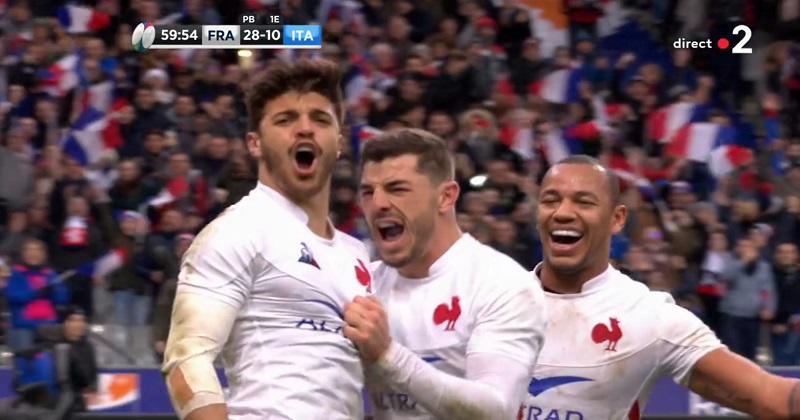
731, 380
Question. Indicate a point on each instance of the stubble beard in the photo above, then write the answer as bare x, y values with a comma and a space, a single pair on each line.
280, 171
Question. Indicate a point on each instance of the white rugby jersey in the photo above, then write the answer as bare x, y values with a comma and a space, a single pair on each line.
466, 305
286, 357
606, 347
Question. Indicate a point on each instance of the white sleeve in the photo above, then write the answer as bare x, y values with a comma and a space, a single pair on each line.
510, 321
494, 386
501, 354
219, 263
683, 340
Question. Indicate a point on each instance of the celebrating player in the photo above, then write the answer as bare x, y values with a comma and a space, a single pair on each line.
465, 322
609, 338
267, 279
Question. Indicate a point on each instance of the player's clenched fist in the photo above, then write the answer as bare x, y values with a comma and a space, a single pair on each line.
367, 327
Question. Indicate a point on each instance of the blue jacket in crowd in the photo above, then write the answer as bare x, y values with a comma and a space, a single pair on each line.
33, 294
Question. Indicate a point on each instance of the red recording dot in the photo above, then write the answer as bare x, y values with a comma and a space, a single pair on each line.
723, 43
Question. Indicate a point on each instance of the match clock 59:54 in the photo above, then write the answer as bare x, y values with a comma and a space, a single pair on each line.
179, 35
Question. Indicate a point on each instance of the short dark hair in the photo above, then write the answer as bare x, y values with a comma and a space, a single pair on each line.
611, 179
434, 159
304, 76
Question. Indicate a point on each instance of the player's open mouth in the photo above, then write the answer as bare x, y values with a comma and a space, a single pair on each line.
390, 230
565, 239
305, 158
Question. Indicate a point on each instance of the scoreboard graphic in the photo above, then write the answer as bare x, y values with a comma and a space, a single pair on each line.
252, 32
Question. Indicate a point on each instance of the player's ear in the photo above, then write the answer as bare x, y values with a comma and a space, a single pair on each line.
448, 195
619, 217
253, 141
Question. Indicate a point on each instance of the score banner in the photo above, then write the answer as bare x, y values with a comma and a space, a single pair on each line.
147, 36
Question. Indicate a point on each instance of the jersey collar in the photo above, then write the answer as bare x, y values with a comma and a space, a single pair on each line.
284, 203
590, 286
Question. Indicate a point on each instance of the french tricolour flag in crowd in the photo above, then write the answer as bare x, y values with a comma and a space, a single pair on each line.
663, 123
554, 147
61, 77
360, 134
175, 189
91, 135
711, 143
560, 86
81, 19
99, 96
626, 172
726, 158
109, 262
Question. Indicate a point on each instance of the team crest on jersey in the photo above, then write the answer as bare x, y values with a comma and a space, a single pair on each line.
448, 315
363, 276
306, 256
611, 333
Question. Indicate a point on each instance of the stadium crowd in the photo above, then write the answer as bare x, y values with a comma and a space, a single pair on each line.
112, 160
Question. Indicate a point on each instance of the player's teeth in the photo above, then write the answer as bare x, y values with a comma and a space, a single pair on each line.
570, 233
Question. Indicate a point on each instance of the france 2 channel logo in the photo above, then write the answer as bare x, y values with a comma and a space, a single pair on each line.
722, 43
143, 36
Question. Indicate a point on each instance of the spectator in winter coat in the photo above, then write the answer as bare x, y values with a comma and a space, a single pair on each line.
33, 294
786, 325
749, 299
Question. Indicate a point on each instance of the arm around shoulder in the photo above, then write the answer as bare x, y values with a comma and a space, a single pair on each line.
733, 381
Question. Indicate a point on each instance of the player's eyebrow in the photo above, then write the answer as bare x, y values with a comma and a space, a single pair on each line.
587, 194
549, 191
368, 186
317, 112
289, 113
397, 183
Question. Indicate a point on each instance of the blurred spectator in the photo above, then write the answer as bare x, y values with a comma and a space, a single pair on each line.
77, 242
506, 240
34, 293
130, 284
236, 179
187, 185
162, 312
13, 236
16, 171
130, 191
81, 362
717, 260
154, 156
149, 118
749, 299
786, 325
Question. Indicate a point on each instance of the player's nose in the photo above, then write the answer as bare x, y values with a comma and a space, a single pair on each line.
565, 212
380, 200
304, 126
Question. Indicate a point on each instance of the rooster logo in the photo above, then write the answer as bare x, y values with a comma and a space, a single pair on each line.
601, 333
363, 276
306, 256
449, 314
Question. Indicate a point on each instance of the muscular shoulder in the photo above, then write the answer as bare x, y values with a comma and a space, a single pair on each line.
252, 227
